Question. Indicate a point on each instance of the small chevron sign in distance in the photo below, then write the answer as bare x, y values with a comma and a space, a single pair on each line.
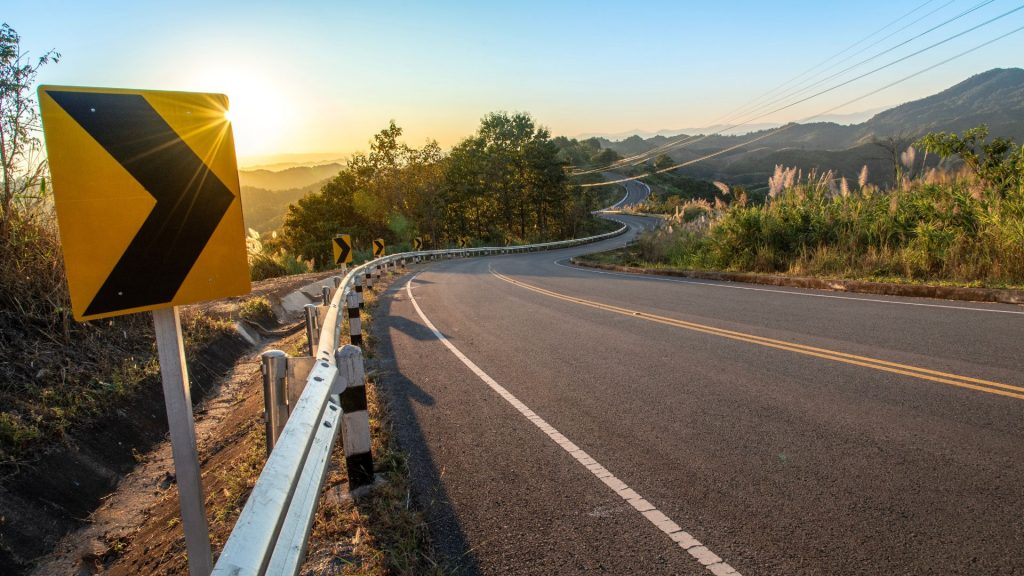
417, 243
147, 197
342, 249
378, 247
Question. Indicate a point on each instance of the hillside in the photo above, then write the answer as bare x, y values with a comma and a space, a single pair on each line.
291, 178
264, 210
995, 98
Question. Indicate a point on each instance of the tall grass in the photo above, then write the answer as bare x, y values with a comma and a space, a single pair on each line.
940, 226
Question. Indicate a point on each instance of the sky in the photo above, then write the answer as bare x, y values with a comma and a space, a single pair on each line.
314, 80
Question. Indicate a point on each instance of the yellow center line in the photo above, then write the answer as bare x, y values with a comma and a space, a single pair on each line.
834, 355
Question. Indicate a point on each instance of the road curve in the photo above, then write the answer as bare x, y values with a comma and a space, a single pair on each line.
576, 421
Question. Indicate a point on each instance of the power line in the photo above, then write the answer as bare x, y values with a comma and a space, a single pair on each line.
686, 139
746, 109
638, 158
882, 53
834, 108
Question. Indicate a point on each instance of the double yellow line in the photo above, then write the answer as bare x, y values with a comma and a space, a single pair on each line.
874, 363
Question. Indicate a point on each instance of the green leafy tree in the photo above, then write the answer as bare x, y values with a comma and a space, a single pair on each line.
663, 161
21, 159
998, 163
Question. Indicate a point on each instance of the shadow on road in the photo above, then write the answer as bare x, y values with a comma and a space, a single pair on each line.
402, 395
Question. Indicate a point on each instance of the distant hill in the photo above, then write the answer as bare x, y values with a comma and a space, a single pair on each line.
264, 210
995, 98
289, 179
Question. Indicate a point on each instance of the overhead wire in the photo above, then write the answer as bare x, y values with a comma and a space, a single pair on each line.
639, 158
758, 102
685, 139
804, 89
834, 108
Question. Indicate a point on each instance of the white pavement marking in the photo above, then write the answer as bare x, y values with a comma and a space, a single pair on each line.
734, 287
655, 516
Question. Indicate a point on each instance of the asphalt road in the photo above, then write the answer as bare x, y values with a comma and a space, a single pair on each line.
786, 431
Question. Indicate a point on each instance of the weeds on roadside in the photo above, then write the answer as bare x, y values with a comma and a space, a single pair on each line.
961, 225
257, 309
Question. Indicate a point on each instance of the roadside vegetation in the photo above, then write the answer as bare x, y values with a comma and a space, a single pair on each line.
506, 184
961, 222
55, 373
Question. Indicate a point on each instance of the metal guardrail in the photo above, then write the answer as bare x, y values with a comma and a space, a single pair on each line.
272, 530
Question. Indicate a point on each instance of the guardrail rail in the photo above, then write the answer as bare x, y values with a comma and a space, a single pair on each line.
271, 533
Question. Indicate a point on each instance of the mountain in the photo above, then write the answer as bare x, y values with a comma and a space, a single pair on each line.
995, 98
288, 179
264, 210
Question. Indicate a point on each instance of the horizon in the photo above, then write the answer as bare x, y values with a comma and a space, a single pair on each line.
333, 76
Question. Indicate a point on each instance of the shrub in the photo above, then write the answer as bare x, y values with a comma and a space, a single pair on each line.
256, 308
964, 226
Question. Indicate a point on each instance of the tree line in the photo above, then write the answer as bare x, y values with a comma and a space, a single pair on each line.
505, 184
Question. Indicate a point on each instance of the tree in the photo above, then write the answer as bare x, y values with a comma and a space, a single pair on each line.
998, 163
663, 161
893, 147
21, 160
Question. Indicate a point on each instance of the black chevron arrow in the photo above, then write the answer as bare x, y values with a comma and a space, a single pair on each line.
343, 250
378, 247
190, 199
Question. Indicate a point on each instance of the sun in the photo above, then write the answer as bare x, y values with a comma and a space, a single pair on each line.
259, 110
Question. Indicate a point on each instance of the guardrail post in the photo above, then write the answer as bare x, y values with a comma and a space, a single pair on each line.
337, 282
275, 394
355, 327
359, 289
369, 279
355, 420
312, 327
325, 294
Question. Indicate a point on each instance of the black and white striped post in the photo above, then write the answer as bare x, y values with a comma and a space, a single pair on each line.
355, 327
359, 289
355, 420
369, 279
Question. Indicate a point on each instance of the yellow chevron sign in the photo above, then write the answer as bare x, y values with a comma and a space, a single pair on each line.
146, 190
342, 249
378, 247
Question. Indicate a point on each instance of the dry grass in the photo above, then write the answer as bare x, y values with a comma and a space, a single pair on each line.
57, 373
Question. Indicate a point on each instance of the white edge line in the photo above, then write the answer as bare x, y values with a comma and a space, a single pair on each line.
729, 285
685, 541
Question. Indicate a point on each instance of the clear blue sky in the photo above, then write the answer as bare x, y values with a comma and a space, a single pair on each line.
307, 77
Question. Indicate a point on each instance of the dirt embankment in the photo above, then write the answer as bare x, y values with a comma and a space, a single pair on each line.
61, 491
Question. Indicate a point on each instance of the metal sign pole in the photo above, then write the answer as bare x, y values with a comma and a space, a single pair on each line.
178, 401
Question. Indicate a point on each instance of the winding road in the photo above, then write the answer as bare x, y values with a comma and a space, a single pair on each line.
562, 420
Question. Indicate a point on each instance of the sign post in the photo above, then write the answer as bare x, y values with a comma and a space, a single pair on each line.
148, 201
178, 401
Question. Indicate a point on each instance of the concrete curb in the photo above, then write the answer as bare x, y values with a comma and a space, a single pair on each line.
999, 295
